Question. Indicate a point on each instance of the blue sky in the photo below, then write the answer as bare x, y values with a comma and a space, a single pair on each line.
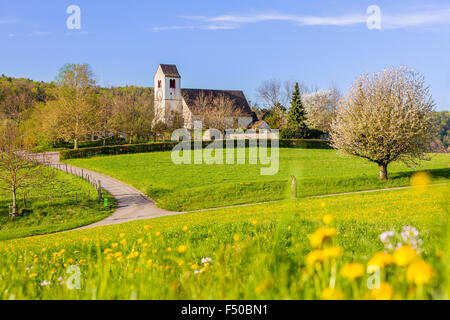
228, 44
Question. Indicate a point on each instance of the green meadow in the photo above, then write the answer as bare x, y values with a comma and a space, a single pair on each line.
254, 252
190, 187
68, 208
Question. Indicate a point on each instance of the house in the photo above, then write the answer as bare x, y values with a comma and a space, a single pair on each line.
171, 99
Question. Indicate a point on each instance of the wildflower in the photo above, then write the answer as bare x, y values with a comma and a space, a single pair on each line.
386, 238
322, 204
115, 245
43, 250
181, 248
76, 252
206, 260
82, 261
133, 255
419, 273
314, 257
169, 249
332, 252
122, 235
352, 271
45, 283
289, 228
420, 179
266, 283
33, 275
236, 237
184, 229
404, 255
379, 260
107, 251
140, 240
146, 227
328, 219
157, 233
332, 294
384, 292
123, 242
321, 235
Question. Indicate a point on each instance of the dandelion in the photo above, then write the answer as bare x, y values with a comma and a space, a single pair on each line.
107, 251
332, 294
157, 233
314, 257
76, 252
115, 245
404, 255
33, 275
321, 235
123, 242
419, 273
122, 235
332, 252
289, 228
352, 271
236, 237
420, 179
384, 292
328, 219
140, 240
146, 227
379, 260
182, 249
185, 228
169, 249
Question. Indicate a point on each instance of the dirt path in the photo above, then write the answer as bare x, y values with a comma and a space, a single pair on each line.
131, 204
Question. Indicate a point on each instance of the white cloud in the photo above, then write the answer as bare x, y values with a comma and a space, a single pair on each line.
419, 18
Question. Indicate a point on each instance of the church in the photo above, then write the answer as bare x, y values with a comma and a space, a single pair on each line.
171, 98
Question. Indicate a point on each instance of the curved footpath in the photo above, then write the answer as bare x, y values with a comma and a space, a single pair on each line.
131, 204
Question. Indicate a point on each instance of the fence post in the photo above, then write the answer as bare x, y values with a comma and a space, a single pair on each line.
82, 174
294, 187
99, 190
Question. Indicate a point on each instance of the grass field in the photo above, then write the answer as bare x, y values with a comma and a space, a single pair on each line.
191, 187
64, 213
256, 252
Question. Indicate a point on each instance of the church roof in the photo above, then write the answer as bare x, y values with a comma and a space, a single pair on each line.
170, 70
190, 96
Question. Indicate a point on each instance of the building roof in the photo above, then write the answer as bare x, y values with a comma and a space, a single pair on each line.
170, 70
190, 97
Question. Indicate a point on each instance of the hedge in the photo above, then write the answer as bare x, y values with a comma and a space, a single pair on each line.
168, 146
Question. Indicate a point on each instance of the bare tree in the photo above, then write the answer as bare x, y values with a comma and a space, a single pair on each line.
17, 169
386, 118
218, 111
271, 93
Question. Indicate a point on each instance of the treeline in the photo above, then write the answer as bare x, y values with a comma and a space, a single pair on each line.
73, 108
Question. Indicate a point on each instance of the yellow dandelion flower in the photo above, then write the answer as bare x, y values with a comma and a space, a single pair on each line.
352, 271
314, 257
76, 252
332, 294
147, 227
379, 261
185, 228
140, 240
123, 242
115, 245
169, 249
419, 273
33, 275
182, 249
289, 228
420, 179
122, 235
157, 233
236, 237
107, 251
328, 219
332, 252
404, 255
82, 261
321, 235
384, 292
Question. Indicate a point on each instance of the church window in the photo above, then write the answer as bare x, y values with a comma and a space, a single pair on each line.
172, 83
159, 84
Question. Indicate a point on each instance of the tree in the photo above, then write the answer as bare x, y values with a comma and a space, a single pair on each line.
17, 169
320, 108
386, 118
74, 113
296, 116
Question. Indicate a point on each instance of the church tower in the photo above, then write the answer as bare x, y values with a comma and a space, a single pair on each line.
168, 97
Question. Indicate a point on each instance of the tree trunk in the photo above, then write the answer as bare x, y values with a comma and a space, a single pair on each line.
14, 205
383, 172
75, 144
